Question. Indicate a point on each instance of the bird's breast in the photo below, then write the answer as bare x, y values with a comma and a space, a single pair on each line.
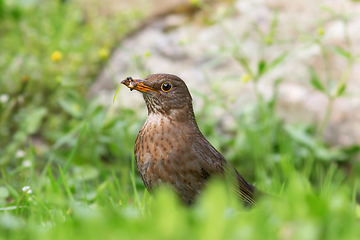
157, 148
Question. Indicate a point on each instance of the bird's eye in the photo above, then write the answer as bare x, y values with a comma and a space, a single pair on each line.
166, 86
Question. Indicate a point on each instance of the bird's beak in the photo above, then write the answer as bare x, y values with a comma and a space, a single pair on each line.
137, 84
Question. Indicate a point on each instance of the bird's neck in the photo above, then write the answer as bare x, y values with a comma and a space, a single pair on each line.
183, 116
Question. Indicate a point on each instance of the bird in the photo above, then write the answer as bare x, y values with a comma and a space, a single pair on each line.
170, 148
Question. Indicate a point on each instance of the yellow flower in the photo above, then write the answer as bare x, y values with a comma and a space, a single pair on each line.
245, 77
194, 2
56, 56
147, 54
321, 31
103, 53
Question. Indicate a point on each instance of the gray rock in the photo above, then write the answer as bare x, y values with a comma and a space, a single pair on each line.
201, 55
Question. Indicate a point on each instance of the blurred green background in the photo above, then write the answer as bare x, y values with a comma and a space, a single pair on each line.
67, 167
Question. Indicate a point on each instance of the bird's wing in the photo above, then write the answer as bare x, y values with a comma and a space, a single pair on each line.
213, 163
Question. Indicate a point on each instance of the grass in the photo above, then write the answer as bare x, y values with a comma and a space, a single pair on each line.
67, 165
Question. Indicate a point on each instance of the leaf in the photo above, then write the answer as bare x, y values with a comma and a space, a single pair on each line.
341, 89
300, 136
12, 190
261, 67
277, 60
4, 192
70, 106
315, 81
33, 120
341, 52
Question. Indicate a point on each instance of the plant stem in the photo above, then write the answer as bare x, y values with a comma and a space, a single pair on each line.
327, 67
325, 120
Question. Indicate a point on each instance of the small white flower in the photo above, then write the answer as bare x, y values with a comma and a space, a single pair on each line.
4, 98
20, 153
26, 163
26, 189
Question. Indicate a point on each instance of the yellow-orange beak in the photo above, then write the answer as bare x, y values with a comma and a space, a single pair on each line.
137, 84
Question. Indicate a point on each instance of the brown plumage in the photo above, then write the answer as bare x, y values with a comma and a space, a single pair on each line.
170, 147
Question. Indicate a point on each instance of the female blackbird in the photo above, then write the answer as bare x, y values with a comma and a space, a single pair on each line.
170, 147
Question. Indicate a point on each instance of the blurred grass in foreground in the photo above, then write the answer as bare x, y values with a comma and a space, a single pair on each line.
299, 214
67, 168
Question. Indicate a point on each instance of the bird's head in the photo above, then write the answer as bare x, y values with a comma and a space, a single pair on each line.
163, 93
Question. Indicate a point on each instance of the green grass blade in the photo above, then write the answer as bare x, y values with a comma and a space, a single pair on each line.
132, 176
42, 175
72, 154
67, 189
118, 188
354, 192
117, 90
67, 164
52, 180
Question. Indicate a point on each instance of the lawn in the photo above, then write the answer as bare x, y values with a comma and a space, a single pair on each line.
67, 164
